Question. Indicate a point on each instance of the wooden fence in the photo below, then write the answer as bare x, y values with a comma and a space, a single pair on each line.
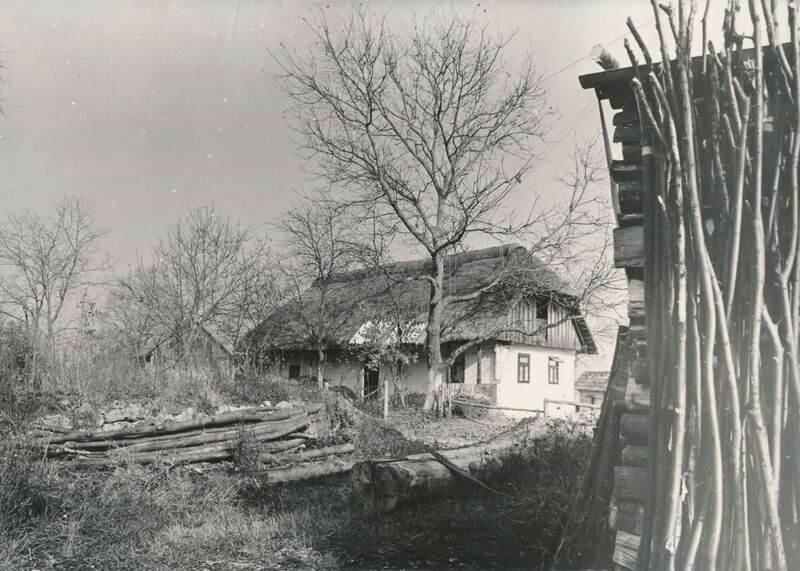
578, 405
454, 390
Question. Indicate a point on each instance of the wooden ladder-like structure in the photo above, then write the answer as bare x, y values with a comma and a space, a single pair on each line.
607, 520
626, 507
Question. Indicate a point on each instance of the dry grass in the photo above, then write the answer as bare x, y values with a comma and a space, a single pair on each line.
143, 518
155, 518
472, 528
52, 517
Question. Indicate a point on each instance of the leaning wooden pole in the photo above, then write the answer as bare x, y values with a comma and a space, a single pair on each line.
717, 245
730, 215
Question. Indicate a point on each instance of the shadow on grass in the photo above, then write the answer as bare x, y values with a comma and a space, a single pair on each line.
469, 528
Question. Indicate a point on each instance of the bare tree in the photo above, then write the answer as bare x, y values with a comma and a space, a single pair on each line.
44, 260
321, 241
208, 273
428, 133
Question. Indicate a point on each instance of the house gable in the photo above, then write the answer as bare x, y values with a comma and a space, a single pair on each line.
553, 325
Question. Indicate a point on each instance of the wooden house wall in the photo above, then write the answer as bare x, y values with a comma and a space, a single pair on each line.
523, 316
562, 335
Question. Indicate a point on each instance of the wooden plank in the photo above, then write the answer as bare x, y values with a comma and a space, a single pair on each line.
634, 428
629, 247
632, 151
636, 293
623, 75
626, 220
626, 170
626, 548
627, 133
641, 372
619, 99
637, 331
627, 116
630, 483
635, 274
626, 516
619, 96
635, 455
635, 303
636, 312
630, 196
637, 395
490, 407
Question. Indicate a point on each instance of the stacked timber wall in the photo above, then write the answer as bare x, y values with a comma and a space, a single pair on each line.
608, 516
627, 504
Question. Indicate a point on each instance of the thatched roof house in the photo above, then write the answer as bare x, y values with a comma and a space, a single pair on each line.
388, 304
523, 324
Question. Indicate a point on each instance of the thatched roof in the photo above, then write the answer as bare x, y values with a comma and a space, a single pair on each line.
592, 381
213, 334
369, 305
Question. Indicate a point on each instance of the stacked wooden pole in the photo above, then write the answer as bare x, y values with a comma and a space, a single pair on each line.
722, 280
203, 439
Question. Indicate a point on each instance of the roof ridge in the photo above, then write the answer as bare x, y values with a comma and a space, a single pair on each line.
422, 264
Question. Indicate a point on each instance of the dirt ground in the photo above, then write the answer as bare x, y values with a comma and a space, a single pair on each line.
453, 432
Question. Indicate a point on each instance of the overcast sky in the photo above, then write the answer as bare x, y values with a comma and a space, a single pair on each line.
150, 108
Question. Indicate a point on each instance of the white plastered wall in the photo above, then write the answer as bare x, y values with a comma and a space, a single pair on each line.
351, 375
511, 393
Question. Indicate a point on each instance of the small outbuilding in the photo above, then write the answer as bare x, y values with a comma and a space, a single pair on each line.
590, 387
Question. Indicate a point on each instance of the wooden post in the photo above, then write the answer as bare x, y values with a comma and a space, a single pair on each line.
385, 396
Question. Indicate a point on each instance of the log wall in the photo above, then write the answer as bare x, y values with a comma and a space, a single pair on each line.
627, 504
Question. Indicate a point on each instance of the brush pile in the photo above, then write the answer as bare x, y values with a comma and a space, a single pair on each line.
267, 430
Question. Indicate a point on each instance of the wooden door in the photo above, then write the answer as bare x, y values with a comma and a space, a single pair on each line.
371, 382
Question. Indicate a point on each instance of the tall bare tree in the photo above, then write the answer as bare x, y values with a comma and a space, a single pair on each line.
45, 259
428, 132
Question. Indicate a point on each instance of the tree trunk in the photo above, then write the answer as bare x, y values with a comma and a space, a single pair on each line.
434, 333
303, 471
34, 339
261, 414
320, 367
382, 484
385, 396
178, 440
191, 449
291, 456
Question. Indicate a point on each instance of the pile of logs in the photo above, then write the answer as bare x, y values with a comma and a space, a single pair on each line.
204, 439
295, 466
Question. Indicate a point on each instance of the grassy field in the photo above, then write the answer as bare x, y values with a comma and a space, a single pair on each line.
54, 517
